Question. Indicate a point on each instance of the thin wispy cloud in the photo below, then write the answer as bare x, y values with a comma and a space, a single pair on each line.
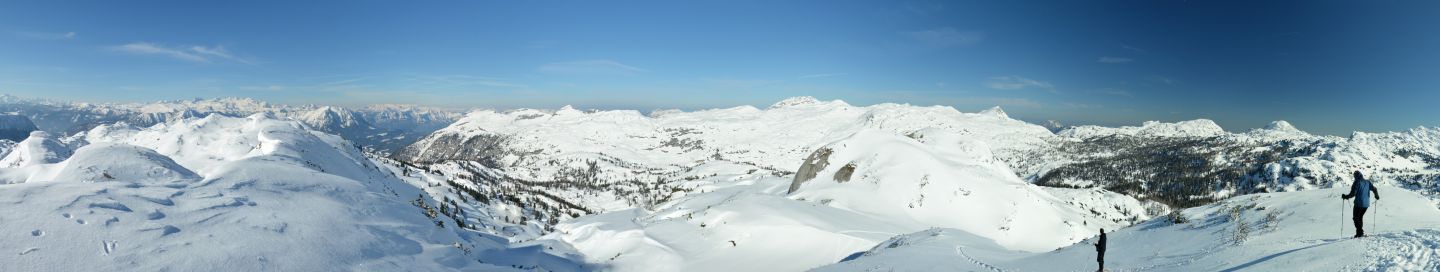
1017, 83
821, 75
589, 67
1116, 92
47, 35
946, 36
1161, 79
193, 53
1114, 60
1132, 48
219, 52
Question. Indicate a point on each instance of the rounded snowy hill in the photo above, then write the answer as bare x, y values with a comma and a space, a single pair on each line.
224, 194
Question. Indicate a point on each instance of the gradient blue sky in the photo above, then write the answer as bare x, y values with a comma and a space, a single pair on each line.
1327, 66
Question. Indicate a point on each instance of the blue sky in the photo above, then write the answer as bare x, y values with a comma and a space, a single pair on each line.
1327, 66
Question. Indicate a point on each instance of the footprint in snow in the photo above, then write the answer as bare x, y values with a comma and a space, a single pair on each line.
155, 215
37, 233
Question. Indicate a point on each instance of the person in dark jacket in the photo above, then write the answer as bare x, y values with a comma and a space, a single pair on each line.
1361, 190
1100, 251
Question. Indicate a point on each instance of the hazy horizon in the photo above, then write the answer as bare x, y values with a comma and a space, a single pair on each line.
1015, 115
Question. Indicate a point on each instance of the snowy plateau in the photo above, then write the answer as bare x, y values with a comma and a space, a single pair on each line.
236, 184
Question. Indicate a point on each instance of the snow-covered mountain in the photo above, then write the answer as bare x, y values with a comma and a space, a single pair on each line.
1194, 162
570, 162
801, 184
39, 148
253, 193
383, 128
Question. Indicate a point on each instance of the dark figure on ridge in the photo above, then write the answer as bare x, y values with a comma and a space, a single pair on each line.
1100, 251
1361, 190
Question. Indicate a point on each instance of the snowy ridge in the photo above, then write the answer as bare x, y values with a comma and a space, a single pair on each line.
39, 148
385, 128
255, 193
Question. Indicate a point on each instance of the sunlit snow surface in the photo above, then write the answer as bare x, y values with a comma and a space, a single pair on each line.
1309, 234
220, 194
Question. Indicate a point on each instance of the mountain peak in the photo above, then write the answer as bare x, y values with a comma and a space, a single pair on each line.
1281, 125
995, 111
795, 101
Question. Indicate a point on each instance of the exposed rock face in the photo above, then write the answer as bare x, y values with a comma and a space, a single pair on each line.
845, 172
486, 149
814, 163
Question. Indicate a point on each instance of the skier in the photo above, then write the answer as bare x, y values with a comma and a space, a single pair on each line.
1100, 251
1361, 190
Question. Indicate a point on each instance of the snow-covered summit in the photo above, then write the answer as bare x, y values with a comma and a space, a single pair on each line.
39, 148
1278, 130
121, 162
996, 111
332, 118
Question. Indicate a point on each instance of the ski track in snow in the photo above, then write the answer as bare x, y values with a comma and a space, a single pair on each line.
960, 250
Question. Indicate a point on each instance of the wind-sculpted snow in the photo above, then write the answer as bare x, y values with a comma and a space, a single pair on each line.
228, 194
1291, 231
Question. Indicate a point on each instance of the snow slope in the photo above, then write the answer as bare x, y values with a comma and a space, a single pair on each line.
897, 184
223, 193
1305, 231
